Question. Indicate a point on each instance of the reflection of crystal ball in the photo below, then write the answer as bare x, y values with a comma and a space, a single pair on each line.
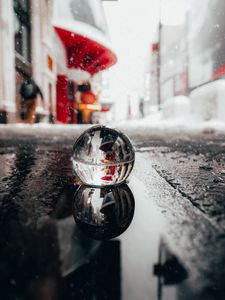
103, 213
103, 156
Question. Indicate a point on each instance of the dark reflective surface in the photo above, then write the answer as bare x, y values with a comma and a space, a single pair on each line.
169, 269
104, 213
44, 254
103, 156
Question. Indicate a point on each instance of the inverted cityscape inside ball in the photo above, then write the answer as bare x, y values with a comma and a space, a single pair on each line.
103, 156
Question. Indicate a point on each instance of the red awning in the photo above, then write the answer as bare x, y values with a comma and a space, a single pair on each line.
84, 53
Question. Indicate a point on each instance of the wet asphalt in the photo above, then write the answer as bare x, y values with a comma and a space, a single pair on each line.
173, 248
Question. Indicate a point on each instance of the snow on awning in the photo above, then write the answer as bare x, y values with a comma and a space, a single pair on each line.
82, 28
84, 53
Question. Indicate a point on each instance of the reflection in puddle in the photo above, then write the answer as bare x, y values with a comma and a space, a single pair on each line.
104, 213
169, 269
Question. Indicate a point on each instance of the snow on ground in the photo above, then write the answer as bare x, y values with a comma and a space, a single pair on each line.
158, 123
44, 126
203, 112
177, 114
154, 122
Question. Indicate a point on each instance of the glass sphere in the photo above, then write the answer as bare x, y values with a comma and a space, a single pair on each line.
103, 156
103, 213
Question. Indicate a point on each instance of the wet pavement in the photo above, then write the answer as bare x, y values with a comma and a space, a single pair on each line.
162, 235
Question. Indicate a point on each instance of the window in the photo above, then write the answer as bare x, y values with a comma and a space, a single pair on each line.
22, 29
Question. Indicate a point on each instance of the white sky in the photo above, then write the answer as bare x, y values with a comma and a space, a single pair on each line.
132, 27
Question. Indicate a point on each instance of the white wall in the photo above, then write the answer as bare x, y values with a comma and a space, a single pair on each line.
43, 46
7, 58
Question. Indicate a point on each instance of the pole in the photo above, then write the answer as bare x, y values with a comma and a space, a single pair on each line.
159, 53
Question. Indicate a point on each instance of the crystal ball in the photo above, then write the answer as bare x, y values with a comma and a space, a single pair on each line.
103, 156
103, 213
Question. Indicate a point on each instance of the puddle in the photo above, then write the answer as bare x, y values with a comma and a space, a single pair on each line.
62, 241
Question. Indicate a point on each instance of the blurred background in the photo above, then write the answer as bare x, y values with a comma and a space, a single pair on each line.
98, 61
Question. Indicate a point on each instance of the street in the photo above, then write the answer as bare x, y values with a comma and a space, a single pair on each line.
134, 210
173, 248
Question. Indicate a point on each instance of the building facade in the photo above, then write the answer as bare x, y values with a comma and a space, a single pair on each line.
58, 44
173, 61
26, 50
